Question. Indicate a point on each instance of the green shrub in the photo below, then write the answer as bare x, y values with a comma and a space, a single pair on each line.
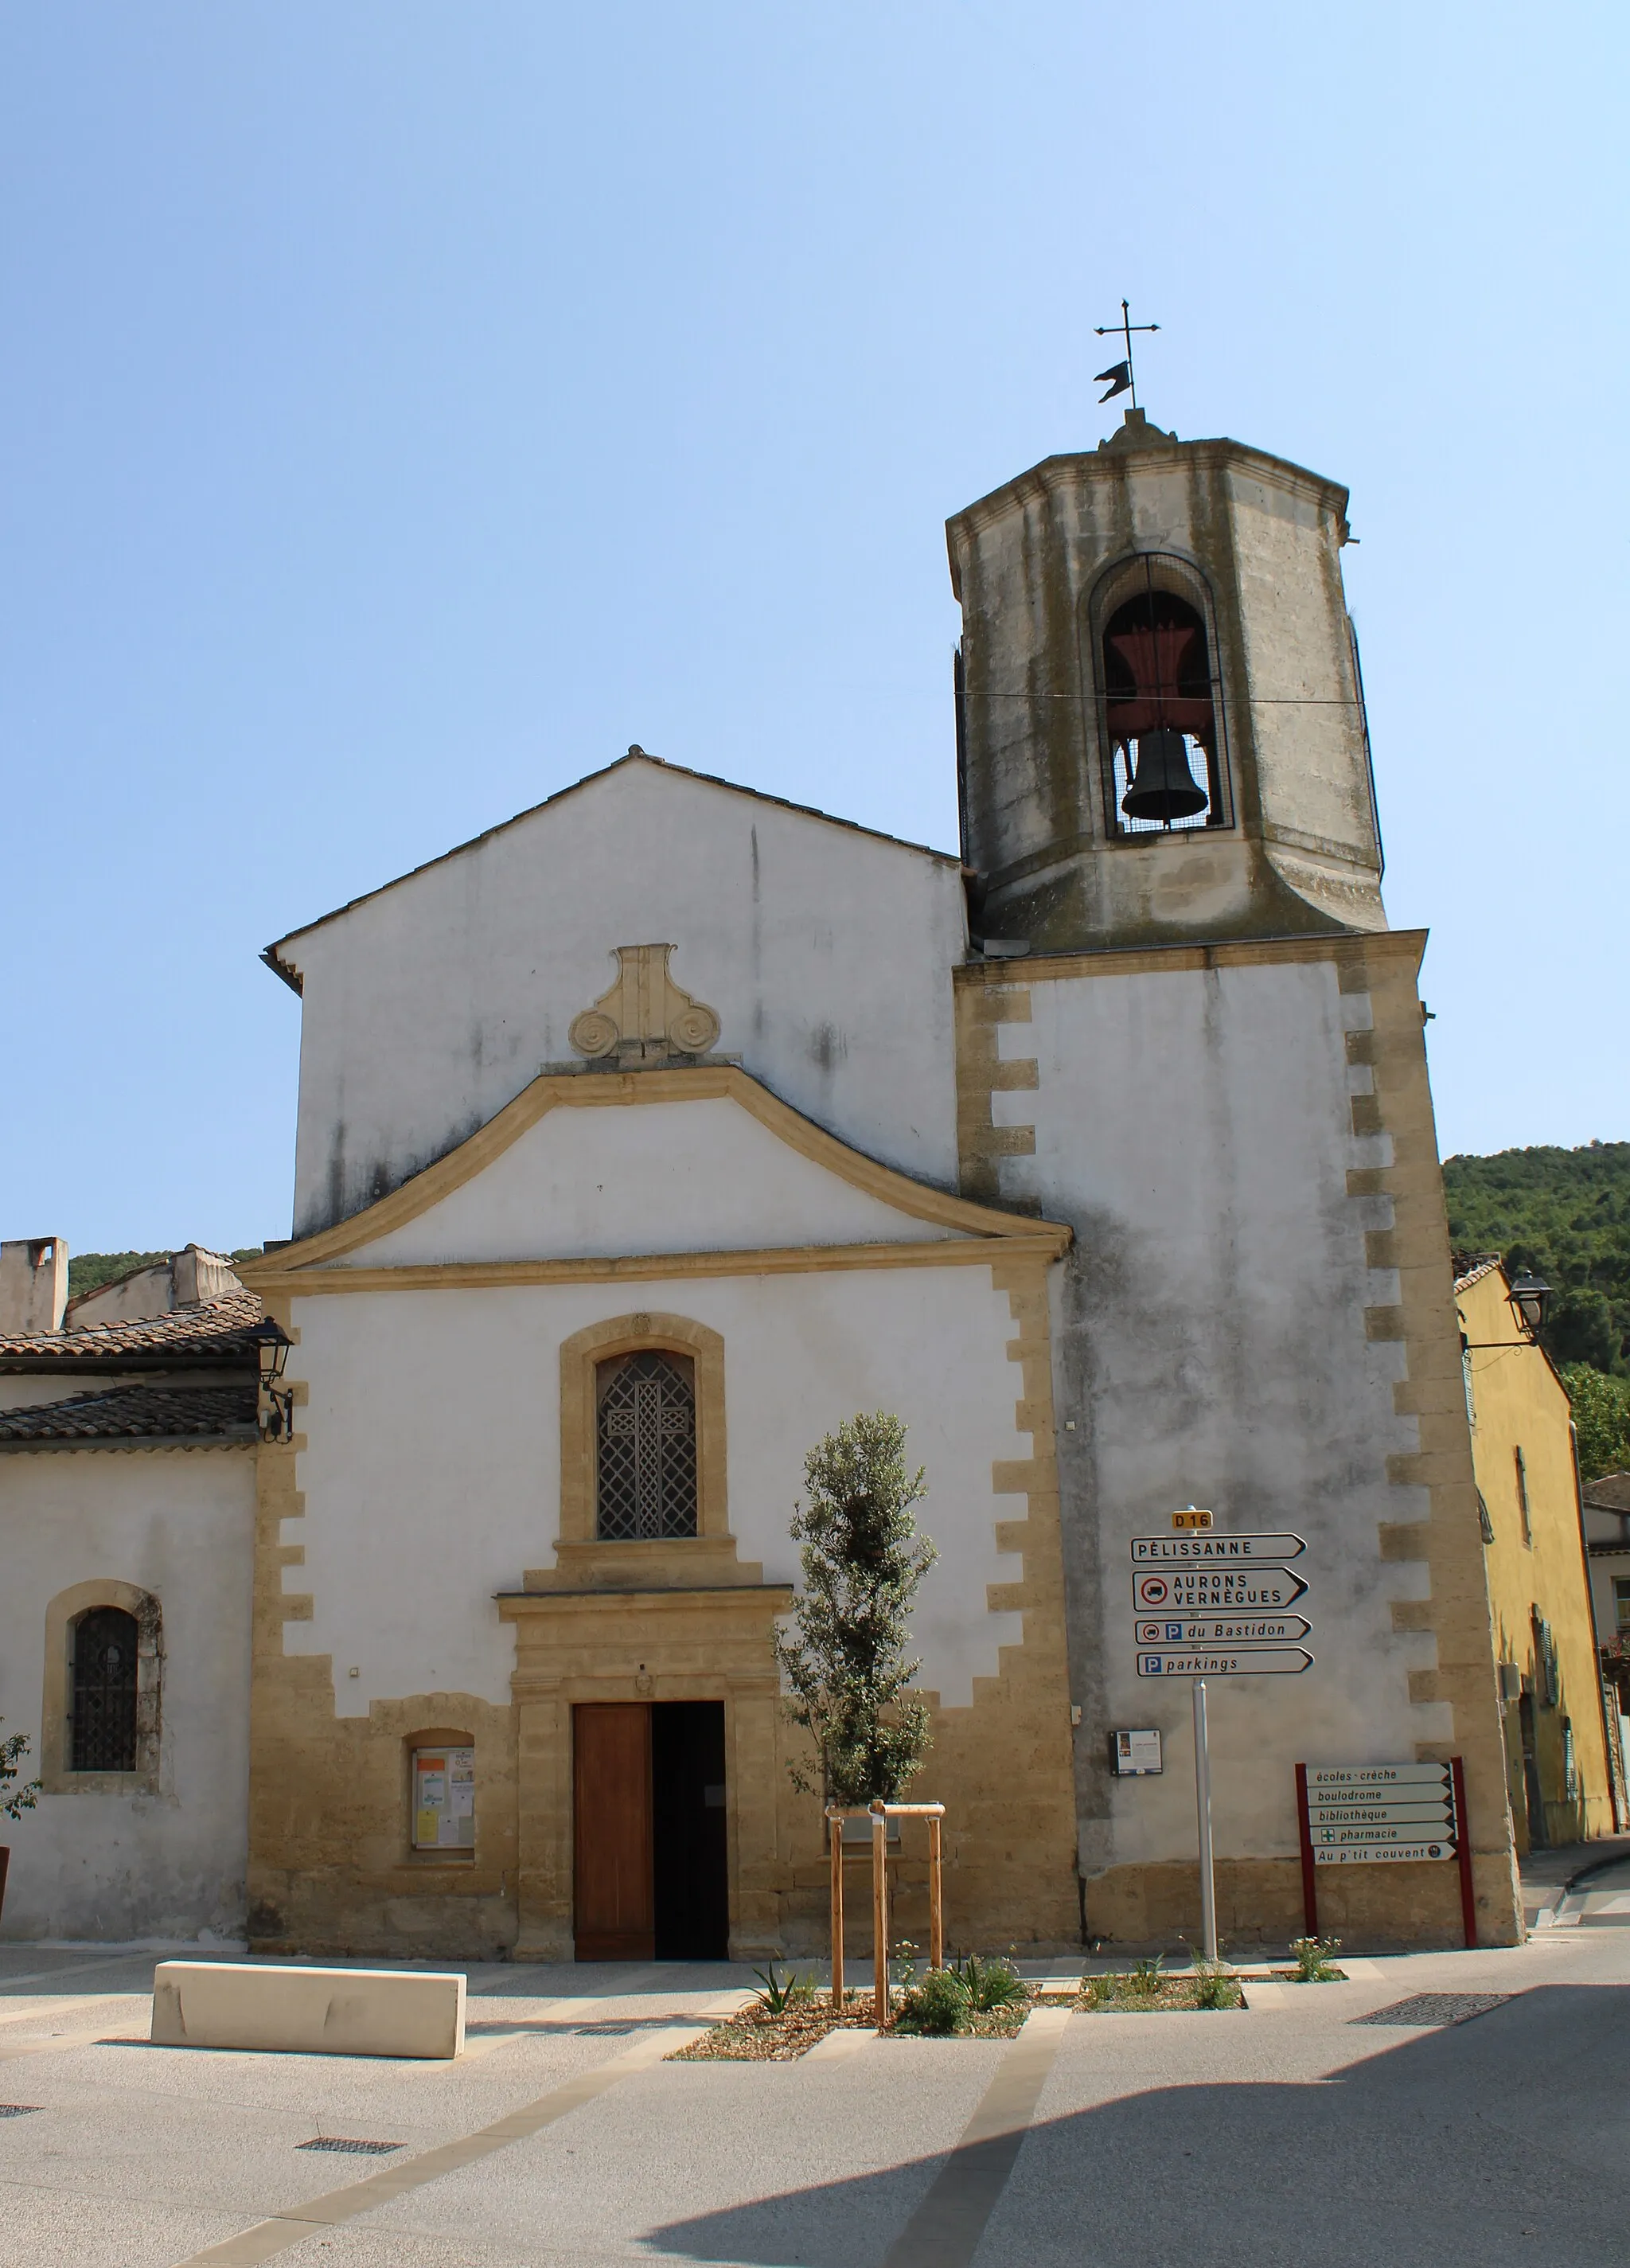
780, 1995
1313, 1956
937, 2007
1214, 1987
991, 1983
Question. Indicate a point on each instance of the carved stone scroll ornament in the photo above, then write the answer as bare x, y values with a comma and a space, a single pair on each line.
645, 1018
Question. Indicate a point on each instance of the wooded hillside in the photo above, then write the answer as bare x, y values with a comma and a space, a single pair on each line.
1565, 1215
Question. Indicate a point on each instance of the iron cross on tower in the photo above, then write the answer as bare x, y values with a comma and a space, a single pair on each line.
1119, 373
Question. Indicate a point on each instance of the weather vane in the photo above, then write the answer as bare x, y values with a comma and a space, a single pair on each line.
1119, 373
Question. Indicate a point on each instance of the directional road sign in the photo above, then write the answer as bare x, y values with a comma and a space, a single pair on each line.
1373, 1851
1241, 1662
1324, 1780
1213, 1549
1380, 1814
1216, 1590
1220, 1630
1354, 1814
1370, 1838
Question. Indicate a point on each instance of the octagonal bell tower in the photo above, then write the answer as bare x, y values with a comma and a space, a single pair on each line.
1161, 721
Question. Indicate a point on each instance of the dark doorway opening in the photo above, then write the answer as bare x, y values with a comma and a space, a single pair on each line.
1538, 1839
650, 1864
688, 1818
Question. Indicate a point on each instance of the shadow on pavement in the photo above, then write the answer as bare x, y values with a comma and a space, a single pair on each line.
1498, 2141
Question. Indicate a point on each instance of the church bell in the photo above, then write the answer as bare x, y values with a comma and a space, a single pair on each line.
1162, 786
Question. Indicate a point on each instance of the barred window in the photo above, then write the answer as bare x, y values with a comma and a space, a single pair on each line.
646, 1445
104, 1691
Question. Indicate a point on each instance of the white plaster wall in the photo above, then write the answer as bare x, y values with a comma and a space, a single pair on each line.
179, 1524
432, 1476
700, 1176
1193, 1126
824, 950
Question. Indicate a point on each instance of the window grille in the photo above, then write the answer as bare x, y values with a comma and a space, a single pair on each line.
1521, 1499
1547, 1676
647, 1447
104, 1719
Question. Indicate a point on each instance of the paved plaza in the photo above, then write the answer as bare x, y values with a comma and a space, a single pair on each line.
1294, 2131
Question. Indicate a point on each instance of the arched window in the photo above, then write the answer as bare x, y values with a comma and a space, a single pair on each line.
1161, 703
104, 1691
645, 1446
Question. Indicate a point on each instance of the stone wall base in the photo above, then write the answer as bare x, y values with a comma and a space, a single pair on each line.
1376, 1909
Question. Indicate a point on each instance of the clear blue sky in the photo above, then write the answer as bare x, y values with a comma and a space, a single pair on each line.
406, 407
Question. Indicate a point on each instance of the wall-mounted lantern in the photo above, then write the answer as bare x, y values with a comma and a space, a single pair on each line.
271, 1344
1528, 1297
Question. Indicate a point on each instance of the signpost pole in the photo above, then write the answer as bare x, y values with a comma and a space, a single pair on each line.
1202, 1807
836, 1828
1463, 1852
1310, 1872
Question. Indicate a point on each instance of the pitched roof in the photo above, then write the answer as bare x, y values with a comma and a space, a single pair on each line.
152, 1416
1610, 1493
273, 956
214, 1335
1475, 1270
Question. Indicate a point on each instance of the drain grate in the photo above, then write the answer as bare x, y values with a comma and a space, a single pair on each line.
348, 2143
17, 2110
1436, 2008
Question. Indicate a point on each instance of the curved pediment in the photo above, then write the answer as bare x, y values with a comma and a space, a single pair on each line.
616, 1167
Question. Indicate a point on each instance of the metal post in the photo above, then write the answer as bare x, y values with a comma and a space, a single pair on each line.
879, 1917
1310, 1870
1202, 1807
835, 1829
937, 1899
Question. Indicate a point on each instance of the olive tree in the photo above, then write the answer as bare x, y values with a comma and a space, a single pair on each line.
844, 1658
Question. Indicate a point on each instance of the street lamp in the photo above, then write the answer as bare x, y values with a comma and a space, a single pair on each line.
1527, 1299
271, 1344
1528, 1296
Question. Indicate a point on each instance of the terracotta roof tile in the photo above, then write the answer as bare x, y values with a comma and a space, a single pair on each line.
138, 1413
215, 1332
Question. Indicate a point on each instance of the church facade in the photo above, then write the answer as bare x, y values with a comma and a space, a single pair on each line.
649, 1135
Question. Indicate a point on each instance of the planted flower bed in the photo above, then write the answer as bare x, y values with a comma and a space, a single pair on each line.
1144, 1990
972, 1998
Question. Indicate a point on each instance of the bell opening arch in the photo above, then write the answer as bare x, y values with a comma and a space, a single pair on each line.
1158, 711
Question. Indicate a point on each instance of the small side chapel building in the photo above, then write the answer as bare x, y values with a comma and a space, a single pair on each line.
649, 1136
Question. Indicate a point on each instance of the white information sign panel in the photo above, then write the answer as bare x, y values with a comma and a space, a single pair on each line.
1369, 1778
1403, 1831
1212, 1549
1201, 1590
1368, 1853
1221, 1629
1246, 1662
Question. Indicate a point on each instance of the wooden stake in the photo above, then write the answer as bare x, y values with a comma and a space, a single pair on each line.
937, 1904
837, 1913
880, 1916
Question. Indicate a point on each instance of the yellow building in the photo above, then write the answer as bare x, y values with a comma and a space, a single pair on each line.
1557, 1763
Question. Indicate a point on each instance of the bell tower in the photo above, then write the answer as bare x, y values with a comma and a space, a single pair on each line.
1160, 718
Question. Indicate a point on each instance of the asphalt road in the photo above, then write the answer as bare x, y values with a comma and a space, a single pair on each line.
1291, 2132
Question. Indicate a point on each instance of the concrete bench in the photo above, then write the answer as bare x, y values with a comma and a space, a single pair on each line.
301, 2011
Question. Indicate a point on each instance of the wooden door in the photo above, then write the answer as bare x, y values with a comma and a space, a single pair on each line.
615, 1898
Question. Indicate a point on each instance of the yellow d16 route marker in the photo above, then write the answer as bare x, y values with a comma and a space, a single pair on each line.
1190, 1518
